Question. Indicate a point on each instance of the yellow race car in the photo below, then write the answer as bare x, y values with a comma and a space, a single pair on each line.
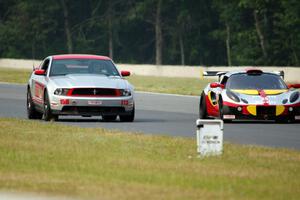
250, 94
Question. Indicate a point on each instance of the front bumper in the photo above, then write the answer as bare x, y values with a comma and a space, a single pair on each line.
261, 112
68, 105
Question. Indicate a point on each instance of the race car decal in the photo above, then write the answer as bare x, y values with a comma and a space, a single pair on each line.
274, 92
38, 92
212, 108
279, 110
249, 92
252, 110
264, 96
212, 102
256, 92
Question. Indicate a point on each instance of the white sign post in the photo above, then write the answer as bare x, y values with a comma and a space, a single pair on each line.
209, 137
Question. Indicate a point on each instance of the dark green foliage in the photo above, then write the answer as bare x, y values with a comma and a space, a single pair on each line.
195, 32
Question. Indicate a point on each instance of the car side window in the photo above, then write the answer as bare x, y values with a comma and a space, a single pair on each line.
45, 65
224, 80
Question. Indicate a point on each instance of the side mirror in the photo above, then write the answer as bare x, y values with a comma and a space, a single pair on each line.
40, 72
125, 73
295, 85
215, 85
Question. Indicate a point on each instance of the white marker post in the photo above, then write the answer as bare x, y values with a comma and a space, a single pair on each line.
209, 137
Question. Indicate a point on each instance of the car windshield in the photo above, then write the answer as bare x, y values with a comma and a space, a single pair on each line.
257, 82
83, 66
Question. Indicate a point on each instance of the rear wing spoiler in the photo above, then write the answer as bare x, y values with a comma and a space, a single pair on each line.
220, 73
214, 73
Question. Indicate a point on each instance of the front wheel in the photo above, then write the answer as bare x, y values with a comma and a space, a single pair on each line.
202, 107
128, 117
48, 115
221, 112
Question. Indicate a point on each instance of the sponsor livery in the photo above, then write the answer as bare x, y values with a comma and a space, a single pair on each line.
250, 94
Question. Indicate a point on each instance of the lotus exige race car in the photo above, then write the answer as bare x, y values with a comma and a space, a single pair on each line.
83, 85
250, 94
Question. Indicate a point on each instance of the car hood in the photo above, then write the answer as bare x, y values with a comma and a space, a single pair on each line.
256, 92
86, 81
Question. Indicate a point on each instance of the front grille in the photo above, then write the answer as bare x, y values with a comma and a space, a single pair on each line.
266, 110
94, 92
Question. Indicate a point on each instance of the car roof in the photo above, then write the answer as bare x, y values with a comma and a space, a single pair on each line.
79, 56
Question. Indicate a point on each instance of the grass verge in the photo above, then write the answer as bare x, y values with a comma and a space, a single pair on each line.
103, 164
14, 75
185, 86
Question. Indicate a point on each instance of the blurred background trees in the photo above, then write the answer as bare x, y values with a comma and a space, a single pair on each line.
181, 32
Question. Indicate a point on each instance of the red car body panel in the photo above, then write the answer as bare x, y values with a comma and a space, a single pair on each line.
212, 110
79, 56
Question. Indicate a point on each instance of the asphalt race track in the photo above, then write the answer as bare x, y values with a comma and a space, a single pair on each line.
167, 115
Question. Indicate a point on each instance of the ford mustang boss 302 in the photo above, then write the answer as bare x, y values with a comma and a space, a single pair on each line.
84, 85
250, 94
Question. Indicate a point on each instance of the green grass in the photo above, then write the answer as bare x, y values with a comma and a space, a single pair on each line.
96, 163
186, 86
14, 75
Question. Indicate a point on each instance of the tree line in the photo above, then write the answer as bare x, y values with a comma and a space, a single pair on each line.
181, 32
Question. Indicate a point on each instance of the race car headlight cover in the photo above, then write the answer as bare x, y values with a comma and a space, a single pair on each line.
61, 91
233, 96
125, 92
294, 97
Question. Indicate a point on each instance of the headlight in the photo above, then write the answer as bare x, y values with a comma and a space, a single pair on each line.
61, 91
125, 92
294, 96
232, 96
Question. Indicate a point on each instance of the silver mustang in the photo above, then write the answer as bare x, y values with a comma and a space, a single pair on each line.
84, 85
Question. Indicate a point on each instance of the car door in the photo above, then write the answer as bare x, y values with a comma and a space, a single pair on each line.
39, 83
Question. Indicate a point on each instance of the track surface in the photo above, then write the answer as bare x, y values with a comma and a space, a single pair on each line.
165, 114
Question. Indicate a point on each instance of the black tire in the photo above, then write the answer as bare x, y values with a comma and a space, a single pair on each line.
221, 112
32, 113
48, 115
109, 118
202, 107
128, 117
